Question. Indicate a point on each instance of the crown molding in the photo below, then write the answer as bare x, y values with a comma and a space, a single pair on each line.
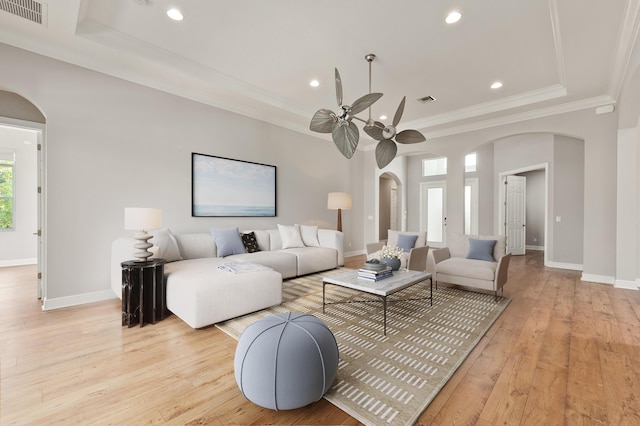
524, 116
557, 41
626, 43
527, 98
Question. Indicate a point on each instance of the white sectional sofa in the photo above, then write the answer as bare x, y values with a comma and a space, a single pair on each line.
473, 266
201, 294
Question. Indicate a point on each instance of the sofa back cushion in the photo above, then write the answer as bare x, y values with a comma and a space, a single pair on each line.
392, 239
459, 245
263, 239
196, 246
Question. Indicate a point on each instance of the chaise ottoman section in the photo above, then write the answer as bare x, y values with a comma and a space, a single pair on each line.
285, 263
200, 294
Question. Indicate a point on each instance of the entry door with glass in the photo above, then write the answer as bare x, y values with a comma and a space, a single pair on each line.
433, 216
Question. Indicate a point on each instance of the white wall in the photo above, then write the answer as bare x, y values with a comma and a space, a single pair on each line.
112, 144
18, 246
599, 133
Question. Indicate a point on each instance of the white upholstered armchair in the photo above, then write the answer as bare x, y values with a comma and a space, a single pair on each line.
416, 242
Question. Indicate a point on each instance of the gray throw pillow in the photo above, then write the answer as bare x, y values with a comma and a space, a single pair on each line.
481, 249
406, 242
228, 241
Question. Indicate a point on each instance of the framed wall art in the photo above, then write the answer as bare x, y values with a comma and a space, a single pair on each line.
223, 187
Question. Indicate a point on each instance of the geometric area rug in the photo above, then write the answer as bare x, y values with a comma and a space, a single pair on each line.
389, 379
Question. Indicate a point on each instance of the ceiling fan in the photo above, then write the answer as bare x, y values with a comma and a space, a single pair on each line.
345, 133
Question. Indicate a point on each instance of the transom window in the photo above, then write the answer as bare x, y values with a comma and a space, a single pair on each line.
434, 166
470, 162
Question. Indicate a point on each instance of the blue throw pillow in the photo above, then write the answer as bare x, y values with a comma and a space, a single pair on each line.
406, 242
228, 241
481, 249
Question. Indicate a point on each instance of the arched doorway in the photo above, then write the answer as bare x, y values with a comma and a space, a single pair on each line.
22, 129
389, 205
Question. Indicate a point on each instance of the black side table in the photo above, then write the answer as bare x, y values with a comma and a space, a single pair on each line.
143, 292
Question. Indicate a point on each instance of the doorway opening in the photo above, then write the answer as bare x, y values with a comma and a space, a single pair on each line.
389, 205
23, 238
515, 219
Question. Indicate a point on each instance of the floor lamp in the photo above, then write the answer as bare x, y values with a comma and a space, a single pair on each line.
339, 201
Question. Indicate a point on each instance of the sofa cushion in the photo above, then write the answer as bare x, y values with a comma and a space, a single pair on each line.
481, 249
290, 236
313, 259
470, 268
309, 235
406, 242
250, 242
167, 245
196, 245
228, 241
281, 261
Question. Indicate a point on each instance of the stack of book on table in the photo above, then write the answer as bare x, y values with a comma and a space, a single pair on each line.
375, 271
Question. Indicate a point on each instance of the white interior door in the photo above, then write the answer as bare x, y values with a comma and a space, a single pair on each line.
433, 216
515, 206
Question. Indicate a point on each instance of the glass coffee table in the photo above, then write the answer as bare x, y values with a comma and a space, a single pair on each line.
400, 280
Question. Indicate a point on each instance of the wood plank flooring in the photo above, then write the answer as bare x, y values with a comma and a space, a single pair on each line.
564, 352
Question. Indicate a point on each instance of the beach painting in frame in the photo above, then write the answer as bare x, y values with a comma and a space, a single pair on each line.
222, 187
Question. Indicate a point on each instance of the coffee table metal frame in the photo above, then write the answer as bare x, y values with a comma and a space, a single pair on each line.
400, 280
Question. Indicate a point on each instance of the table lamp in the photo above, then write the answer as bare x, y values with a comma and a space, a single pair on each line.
142, 220
339, 201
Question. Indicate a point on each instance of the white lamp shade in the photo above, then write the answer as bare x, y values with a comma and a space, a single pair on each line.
339, 200
136, 218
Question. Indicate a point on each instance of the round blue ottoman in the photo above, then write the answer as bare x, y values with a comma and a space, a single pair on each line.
286, 361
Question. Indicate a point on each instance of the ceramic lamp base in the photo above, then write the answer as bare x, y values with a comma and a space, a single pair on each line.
142, 246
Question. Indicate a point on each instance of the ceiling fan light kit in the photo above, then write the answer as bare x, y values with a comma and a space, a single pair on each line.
345, 133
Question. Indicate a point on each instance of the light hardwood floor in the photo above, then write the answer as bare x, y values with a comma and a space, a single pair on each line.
564, 352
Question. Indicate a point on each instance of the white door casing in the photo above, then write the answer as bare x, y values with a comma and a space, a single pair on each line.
515, 214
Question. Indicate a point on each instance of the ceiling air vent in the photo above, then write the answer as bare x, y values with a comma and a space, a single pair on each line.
427, 99
28, 9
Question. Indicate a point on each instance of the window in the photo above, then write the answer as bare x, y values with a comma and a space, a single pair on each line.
434, 166
471, 206
6, 189
470, 162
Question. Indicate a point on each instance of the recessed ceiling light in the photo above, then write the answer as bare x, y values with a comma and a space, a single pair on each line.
175, 14
314, 83
383, 117
453, 17
496, 85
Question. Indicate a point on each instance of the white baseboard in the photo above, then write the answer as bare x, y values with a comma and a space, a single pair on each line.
629, 285
602, 279
560, 265
539, 248
78, 299
18, 262
354, 253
